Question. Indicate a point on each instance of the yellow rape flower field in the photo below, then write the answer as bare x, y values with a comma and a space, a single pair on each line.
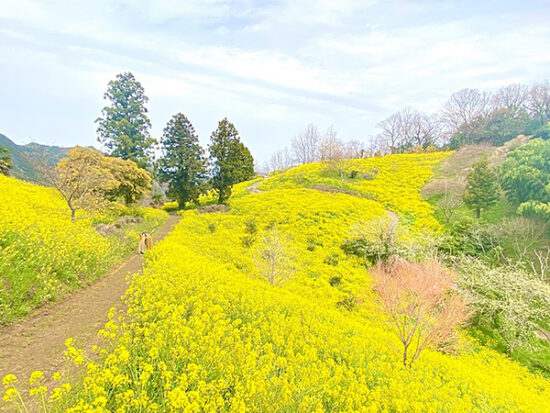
205, 332
43, 255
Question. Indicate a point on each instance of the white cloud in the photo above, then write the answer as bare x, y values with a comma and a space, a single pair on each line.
272, 65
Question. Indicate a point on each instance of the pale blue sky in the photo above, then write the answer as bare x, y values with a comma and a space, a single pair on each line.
271, 67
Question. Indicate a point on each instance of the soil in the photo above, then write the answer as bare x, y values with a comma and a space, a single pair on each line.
253, 189
38, 342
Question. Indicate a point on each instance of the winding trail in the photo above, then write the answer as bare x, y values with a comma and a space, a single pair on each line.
253, 189
38, 343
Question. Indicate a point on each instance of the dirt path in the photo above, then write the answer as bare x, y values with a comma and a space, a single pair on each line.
253, 189
38, 343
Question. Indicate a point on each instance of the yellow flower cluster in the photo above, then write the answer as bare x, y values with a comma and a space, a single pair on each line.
42, 254
205, 332
392, 180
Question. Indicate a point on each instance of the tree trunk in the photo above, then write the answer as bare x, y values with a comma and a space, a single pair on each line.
73, 213
478, 212
405, 356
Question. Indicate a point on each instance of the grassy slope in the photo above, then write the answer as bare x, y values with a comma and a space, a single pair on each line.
43, 255
204, 331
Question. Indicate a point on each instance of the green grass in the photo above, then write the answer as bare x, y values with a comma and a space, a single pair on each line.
535, 356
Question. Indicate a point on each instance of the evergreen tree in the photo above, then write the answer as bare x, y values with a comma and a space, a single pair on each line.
5, 161
231, 160
183, 165
124, 125
482, 189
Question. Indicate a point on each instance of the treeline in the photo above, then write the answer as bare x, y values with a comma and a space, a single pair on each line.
87, 179
310, 145
124, 129
469, 116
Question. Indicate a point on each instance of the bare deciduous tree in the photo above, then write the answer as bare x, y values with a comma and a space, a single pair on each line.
406, 129
281, 159
538, 101
451, 199
354, 150
305, 145
541, 263
464, 107
332, 151
390, 139
274, 261
330, 147
513, 98
523, 234
421, 304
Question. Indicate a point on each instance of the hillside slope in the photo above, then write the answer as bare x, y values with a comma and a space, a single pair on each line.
43, 255
205, 331
23, 157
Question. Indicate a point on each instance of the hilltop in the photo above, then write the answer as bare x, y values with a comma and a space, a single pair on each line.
24, 156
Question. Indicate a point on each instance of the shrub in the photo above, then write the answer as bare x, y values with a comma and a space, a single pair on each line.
170, 206
248, 240
312, 244
332, 259
347, 303
375, 240
507, 299
250, 226
157, 200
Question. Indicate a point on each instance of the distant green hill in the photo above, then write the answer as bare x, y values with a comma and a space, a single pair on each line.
25, 157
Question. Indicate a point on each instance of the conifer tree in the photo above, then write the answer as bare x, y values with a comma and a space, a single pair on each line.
482, 189
231, 160
183, 165
124, 125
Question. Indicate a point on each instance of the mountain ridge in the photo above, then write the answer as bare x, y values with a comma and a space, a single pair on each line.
23, 156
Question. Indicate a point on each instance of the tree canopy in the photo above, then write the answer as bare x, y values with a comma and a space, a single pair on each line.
525, 176
132, 182
83, 179
183, 165
230, 158
124, 125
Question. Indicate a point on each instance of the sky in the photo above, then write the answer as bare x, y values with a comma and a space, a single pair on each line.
271, 67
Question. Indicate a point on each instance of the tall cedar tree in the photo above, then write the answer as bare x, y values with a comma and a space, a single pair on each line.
482, 189
124, 125
183, 165
231, 160
5, 161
